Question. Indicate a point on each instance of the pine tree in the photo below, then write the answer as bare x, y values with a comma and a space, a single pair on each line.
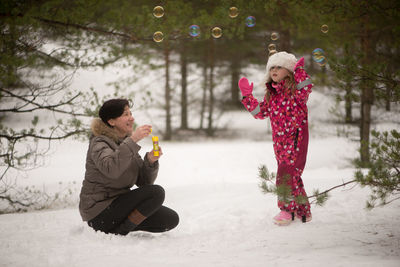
283, 191
382, 175
43, 44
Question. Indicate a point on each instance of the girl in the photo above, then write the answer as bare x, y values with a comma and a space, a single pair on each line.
113, 166
287, 89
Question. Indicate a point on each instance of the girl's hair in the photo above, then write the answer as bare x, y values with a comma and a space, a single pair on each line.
289, 82
113, 108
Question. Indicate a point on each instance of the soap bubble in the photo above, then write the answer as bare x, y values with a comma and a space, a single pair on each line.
274, 36
318, 56
324, 28
250, 21
233, 12
271, 52
158, 37
271, 47
194, 30
158, 11
216, 32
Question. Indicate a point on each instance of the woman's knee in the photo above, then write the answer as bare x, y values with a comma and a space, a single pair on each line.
158, 192
174, 220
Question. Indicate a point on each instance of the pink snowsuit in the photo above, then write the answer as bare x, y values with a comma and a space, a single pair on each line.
289, 123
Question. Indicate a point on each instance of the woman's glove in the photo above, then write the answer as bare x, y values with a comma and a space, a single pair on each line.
245, 87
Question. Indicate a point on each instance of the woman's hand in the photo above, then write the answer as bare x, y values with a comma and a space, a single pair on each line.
151, 158
141, 132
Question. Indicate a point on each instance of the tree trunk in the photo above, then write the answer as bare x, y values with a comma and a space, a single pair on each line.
284, 36
168, 129
235, 72
388, 87
367, 94
184, 102
348, 99
210, 130
285, 40
387, 99
348, 103
204, 86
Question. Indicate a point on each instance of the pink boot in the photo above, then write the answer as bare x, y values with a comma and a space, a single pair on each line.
283, 218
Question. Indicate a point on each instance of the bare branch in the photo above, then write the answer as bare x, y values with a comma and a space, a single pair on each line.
40, 106
394, 199
17, 137
125, 36
12, 201
330, 189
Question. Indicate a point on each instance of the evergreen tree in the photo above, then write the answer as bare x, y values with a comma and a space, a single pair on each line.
43, 43
364, 56
383, 176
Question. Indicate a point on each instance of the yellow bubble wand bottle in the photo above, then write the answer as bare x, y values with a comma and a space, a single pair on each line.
156, 148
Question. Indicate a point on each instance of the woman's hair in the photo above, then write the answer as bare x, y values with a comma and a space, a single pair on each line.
112, 109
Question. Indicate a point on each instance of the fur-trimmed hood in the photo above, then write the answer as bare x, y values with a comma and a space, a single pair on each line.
98, 127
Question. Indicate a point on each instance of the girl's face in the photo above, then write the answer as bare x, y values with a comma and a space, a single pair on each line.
278, 73
124, 123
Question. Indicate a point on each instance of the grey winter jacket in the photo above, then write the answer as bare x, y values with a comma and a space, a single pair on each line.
113, 166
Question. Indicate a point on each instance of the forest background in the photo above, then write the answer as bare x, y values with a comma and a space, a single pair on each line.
44, 43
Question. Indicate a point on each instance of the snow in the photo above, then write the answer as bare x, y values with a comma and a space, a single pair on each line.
225, 220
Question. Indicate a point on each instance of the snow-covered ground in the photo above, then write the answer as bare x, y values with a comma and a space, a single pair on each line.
225, 220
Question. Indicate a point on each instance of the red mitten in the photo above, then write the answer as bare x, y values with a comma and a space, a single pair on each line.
299, 64
245, 87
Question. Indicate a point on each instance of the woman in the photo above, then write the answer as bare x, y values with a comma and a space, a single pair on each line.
113, 166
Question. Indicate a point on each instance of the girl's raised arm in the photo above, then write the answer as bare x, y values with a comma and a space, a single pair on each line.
303, 82
258, 110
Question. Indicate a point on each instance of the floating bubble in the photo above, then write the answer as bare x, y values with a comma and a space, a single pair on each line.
271, 47
233, 12
194, 30
158, 11
216, 32
324, 28
250, 21
271, 52
158, 37
318, 56
274, 36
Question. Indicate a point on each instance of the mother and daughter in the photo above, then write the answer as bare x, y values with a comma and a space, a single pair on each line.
108, 200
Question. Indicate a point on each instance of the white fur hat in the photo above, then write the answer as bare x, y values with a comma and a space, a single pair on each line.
281, 59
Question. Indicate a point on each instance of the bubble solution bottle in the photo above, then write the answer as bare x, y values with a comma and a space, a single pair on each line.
156, 148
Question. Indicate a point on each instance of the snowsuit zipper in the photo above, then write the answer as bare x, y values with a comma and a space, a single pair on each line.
296, 138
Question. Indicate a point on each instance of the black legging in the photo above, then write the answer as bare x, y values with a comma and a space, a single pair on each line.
148, 201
